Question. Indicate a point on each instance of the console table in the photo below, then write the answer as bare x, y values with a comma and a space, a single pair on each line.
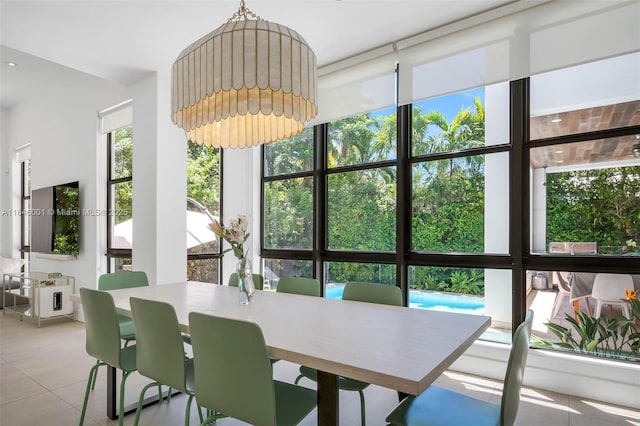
38, 295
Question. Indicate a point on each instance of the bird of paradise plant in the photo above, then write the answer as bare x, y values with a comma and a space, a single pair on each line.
614, 337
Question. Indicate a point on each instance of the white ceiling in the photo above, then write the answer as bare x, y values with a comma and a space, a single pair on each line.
124, 40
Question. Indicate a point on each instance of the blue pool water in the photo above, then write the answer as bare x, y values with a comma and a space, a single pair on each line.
448, 302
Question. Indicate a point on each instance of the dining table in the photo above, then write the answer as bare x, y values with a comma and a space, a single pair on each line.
400, 348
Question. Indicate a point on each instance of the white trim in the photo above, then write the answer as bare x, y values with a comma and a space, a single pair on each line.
600, 379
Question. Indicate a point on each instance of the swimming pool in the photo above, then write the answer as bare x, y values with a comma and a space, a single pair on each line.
424, 299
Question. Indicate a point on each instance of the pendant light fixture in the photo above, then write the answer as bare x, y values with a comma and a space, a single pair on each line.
246, 83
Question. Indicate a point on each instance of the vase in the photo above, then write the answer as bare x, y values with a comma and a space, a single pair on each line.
245, 280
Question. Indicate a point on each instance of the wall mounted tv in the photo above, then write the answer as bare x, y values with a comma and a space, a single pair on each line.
55, 219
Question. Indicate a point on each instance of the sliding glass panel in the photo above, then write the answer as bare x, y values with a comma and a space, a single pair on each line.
274, 269
120, 216
122, 160
465, 290
586, 198
362, 139
291, 155
453, 200
362, 210
203, 270
288, 214
337, 274
586, 313
118, 264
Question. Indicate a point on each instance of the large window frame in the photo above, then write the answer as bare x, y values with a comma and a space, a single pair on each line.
213, 255
112, 252
520, 258
25, 200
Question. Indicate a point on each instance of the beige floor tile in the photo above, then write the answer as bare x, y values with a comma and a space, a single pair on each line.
43, 374
16, 385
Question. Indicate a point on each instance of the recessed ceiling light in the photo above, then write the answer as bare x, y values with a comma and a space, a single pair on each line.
556, 120
12, 64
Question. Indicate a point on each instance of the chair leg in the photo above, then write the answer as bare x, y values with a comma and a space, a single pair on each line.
598, 308
199, 412
94, 376
212, 417
125, 374
92, 373
188, 411
557, 303
362, 410
141, 399
626, 311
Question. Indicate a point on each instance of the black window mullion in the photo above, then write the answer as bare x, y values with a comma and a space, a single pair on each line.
518, 195
113, 253
403, 207
320, 201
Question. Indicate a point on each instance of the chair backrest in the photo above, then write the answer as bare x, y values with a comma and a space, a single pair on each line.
232, 369
159, 347
515, 371
610, 287
118, 280
102, 329
258, 280
563, 281
299, 285
373, 293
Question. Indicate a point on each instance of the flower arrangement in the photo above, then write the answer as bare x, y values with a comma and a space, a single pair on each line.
235, 234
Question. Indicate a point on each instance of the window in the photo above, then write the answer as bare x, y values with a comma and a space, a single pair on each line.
25, 206
119, 198
466, 195
585, 204
204, 168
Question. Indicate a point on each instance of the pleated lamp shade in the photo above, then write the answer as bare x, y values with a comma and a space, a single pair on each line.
246, 83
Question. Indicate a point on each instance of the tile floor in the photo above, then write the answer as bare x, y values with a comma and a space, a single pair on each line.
43, 373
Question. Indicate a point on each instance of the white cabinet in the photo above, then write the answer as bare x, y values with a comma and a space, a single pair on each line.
38, 295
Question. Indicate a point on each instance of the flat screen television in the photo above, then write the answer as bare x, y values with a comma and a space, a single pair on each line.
55, 219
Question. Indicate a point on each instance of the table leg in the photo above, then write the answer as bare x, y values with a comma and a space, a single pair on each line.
112, 411
328, 402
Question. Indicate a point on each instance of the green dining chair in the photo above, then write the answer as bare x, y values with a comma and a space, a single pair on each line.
441, 407
160, 351
359, 292
299, 285
103, 342
235, 379
258, 280
116, 281
119, 280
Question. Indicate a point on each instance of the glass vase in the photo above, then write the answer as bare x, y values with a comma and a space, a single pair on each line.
245, 280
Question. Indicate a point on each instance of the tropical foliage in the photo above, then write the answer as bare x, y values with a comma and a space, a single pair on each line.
601, 205
612, 337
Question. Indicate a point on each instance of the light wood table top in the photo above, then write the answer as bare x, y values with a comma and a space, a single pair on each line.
395, 347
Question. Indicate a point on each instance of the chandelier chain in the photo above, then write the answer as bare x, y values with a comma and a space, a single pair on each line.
243, 13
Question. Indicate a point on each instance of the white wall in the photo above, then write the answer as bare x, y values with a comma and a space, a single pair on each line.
159, 184
61, 126
5, 185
